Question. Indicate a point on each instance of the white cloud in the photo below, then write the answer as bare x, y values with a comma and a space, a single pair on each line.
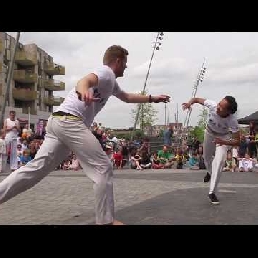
232, 67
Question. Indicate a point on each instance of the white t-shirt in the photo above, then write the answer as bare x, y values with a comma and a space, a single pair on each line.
234, 153
220, 125
107, 86
246, 164
13, 134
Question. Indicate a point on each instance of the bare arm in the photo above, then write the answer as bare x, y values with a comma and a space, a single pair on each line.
87, 82
5, 127
193, 101
83, 86
234, 141
18, 127
139, 98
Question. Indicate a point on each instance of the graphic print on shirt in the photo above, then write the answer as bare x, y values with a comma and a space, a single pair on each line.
212, 120
96, 94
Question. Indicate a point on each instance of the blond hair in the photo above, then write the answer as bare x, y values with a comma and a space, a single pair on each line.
113, 53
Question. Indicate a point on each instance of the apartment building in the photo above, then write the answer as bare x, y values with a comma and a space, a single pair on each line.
33, 83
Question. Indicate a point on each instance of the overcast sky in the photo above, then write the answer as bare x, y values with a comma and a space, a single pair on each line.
231, 60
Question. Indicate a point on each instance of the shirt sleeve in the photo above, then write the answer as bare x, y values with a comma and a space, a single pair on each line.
117, 90
210, 104
103, 74
233, 125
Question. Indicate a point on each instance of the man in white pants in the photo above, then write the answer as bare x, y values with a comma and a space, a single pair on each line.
220, 125
11, 128
69, 129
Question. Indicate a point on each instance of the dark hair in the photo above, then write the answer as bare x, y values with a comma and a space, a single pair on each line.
232, 105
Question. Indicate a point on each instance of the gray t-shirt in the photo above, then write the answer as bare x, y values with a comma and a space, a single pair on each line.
217, 124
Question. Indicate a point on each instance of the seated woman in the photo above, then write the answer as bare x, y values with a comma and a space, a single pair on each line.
156, 162
136, 161
145, 161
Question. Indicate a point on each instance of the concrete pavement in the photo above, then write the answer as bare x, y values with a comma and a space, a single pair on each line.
148, 197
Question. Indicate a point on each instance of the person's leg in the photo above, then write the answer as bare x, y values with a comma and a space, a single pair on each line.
13, 155
208, 150
50, 154
90, 153
217, 165
1, 163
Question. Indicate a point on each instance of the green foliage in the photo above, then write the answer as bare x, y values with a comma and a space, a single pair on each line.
147, 114
198, 130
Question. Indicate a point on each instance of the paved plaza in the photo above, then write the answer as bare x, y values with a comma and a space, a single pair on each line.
148, 197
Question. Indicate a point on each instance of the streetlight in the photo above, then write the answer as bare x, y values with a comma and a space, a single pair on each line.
156, 46
199, 79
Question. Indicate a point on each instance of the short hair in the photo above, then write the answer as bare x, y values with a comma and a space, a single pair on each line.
232, 105
12, 112
114, 52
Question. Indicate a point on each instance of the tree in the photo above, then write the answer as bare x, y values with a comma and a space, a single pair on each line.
147, 113
203, 118
198, 131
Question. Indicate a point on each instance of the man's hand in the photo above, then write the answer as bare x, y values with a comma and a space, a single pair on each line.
186, 106
219, 141
160, 98
87, 96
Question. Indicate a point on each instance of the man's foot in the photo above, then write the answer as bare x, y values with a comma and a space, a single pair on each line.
114, 223
207, 178
213, 198
117, 222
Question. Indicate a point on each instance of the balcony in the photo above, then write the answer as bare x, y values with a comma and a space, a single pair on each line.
53, 85
1, 46
54, 69
25, 110
25, 76
53, 101
25, 58
24, 94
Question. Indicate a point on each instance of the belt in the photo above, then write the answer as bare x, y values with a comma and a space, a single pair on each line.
62, 114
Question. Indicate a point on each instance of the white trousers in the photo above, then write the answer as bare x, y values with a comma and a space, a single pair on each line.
62, 136
11, 143
3, 160
214, 166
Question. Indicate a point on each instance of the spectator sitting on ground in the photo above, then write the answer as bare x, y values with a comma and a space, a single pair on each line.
230, 163
136, 160
75, 164
165, 157
246, 164
145, 162
66, 164
118, 159
25, 158
194, 161
156, 162
179, 159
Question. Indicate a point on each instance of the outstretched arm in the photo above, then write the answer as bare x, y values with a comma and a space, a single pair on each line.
139, 98
193, 101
